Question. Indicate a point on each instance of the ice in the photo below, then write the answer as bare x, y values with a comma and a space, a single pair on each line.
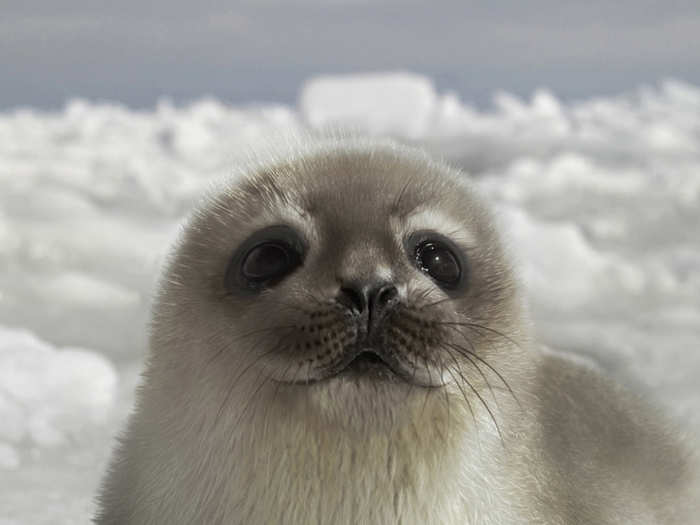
48, 393
380, 103
599, 201
561, 269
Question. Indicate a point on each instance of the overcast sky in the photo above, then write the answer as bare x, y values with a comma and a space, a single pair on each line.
260, 51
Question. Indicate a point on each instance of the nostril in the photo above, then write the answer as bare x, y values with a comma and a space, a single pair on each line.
386, 294
361, 299
353, 299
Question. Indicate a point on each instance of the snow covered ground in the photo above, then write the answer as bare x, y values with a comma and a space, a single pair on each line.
600, 200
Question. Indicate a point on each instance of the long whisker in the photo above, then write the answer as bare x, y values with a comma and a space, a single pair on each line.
481, 399
447, 400
478, 368
296, 373
269, 329
397, 201
311, 297
459, 385
308, 372
249, 402
233, 384
423, 295
289, 305
279, 383
435, 303
477, 326
463, 351
430, 381
413, 378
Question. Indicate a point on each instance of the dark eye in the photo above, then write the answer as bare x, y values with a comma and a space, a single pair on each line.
438, 262
268, 261
264, 259
437, 257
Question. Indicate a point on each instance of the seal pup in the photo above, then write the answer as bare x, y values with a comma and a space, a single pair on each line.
339, 338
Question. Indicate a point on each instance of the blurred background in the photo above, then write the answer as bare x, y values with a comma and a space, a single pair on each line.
263, 50
580, 122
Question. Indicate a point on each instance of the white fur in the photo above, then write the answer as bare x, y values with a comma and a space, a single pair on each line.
218, 442
430, 219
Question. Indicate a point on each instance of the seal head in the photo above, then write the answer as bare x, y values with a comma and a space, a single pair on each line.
375, 267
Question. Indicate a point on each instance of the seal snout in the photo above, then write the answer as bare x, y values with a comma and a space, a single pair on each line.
371, 301
381, 345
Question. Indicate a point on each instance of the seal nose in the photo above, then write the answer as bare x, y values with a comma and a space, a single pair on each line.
375, 300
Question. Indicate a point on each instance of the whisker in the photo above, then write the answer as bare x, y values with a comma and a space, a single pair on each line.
279, 383
481, 399
464, 394
477, 326
308, 372
294, 379
235, 381
249, 402
269, 329
413, 379
423, 295
447, 401
435, 303
397, 201
463, 350
293, 306
478, 368
430, 381
311, 297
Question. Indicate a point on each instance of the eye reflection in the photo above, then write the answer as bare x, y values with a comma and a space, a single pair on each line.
438, 257
438, 262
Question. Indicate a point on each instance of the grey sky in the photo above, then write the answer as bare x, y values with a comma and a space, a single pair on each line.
135, 52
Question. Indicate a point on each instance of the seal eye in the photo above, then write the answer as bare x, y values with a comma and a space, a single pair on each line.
267, 261
264, 259
439, 262
438, 257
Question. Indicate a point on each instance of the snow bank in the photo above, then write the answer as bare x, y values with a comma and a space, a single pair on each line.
648, 124
48, 395
599, 200
383, 103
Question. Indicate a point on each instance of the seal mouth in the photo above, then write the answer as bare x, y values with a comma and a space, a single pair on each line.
372, 364
367, 360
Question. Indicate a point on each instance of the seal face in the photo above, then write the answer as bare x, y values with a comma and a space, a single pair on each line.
351, 265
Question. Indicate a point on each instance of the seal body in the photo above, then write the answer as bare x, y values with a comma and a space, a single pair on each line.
339, 338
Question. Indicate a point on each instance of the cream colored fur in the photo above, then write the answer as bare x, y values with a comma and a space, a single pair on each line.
214, 440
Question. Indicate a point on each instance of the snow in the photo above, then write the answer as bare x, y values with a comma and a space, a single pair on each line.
599, 200
384, 102
43, 388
